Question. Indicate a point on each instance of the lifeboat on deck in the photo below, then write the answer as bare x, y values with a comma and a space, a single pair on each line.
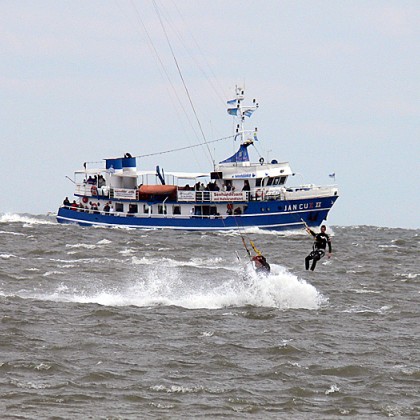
165, 190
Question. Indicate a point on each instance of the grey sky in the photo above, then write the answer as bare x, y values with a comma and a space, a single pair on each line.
337, 83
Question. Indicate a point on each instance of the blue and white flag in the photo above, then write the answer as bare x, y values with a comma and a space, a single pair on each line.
232, 111
231, 102
255, 136
249, 112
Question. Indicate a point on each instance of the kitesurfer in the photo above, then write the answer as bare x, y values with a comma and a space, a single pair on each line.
261, 265
318, 249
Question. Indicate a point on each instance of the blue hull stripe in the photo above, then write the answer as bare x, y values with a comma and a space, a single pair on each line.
265, 219
184, 227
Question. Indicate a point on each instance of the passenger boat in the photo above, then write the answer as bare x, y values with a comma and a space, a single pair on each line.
236, 194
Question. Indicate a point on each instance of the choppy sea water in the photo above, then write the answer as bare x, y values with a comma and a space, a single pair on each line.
113, 323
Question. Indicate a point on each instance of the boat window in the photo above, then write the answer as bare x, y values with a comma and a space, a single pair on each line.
161, 209
119, 207
276, 180
228, 184
132, 208
147, 208
205, 210
176, 210
258, 182
216, 175
283, 180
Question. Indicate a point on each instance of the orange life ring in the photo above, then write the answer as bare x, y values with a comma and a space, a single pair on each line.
230, 206
94, 190
85, 199
259, 193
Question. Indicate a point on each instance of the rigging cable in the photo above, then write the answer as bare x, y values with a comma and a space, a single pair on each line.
221, 97
183, 81
165, 72
172, 150
186, 147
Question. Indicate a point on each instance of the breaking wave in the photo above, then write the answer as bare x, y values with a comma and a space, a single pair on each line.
159, 286
26, 219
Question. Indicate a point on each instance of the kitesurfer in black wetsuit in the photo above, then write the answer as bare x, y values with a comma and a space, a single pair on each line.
318, 250
261, 264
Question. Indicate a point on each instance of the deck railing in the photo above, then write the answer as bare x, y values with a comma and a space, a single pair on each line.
259, 194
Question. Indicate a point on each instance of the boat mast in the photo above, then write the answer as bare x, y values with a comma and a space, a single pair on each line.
241, 111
